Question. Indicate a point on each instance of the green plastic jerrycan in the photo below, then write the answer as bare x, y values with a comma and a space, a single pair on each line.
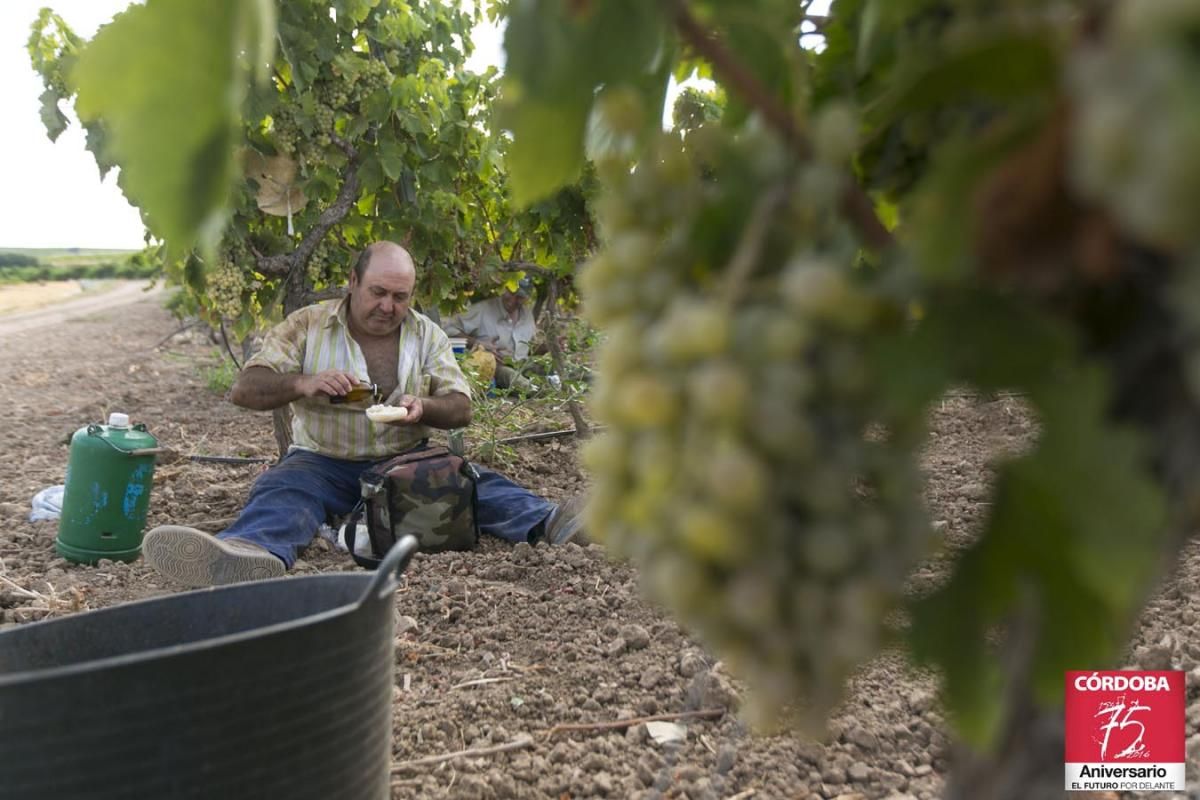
109, 474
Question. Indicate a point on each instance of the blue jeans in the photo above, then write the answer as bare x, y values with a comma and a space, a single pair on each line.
290, 501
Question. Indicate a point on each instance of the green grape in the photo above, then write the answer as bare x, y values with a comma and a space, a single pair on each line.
719, 393
692, 331
737, 478
646, 401
835, 133
622, 110
710, 534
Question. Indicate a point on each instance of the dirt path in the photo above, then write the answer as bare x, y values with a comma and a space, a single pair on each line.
122, 293
564, 631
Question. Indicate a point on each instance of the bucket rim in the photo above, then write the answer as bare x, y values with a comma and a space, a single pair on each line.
11, 679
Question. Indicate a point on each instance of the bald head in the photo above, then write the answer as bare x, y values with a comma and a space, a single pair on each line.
390, 253
381, 288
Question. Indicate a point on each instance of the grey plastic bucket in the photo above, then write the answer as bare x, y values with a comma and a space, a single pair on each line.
274, 689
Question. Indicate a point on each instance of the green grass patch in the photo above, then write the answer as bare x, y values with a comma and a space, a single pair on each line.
219, 378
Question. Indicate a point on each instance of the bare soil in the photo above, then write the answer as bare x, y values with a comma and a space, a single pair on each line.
562, 635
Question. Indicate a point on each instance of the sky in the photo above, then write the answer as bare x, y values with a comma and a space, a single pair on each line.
52, 193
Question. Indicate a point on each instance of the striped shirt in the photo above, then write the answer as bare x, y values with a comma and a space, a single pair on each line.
317, 338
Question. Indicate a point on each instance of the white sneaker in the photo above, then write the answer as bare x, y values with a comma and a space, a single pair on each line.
194, 558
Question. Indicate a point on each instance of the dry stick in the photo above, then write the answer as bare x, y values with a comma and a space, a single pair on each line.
478, 682
744, 795
542, 436
519, 743
588, 727
175, 333
21, 590
855, 203
232, 460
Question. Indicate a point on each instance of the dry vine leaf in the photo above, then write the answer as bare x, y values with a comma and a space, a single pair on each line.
278, 193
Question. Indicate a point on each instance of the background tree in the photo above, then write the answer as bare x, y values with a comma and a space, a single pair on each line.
368, 126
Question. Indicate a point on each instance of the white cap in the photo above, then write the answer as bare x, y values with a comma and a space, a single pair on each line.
118, 420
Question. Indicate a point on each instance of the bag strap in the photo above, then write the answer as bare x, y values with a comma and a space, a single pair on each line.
472, 475
414, 455
366, 562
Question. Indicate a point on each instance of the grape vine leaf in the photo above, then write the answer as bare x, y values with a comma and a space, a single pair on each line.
1072, 533
165, 78
52, 117
558, 54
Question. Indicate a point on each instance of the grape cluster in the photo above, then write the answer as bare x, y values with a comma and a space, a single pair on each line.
325, 267
374, 75
285, 134
337, 93
226, 281
746, 466
343, 91
1136, 94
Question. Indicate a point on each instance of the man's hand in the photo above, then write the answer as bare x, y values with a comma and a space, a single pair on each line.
329, 383
451, 410
416, 409
490, 344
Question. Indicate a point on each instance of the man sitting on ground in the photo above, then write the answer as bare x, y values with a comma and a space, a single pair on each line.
323, 351
504, 327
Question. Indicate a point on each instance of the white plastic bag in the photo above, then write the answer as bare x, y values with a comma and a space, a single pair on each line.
362, 542
47, 504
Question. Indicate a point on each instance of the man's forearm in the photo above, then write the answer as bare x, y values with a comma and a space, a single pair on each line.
447, 411
264, 389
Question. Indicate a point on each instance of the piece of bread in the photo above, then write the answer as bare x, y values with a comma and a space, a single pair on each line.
386, 413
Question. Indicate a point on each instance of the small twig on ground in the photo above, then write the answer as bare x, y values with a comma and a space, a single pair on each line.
407, 783
520, 743
544, 435
589, 727
435, 649
743, 795
175, 333
233, 460
21, 590
478, 682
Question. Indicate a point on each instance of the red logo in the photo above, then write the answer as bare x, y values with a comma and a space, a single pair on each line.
1125, 730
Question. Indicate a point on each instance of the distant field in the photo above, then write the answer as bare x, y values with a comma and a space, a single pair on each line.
40, 264
71, 256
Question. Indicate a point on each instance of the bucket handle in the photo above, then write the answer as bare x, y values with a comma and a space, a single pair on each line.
387, 574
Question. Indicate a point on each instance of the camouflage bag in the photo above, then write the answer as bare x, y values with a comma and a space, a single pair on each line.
428, 493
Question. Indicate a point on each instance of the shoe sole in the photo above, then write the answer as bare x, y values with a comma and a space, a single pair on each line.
194, 558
